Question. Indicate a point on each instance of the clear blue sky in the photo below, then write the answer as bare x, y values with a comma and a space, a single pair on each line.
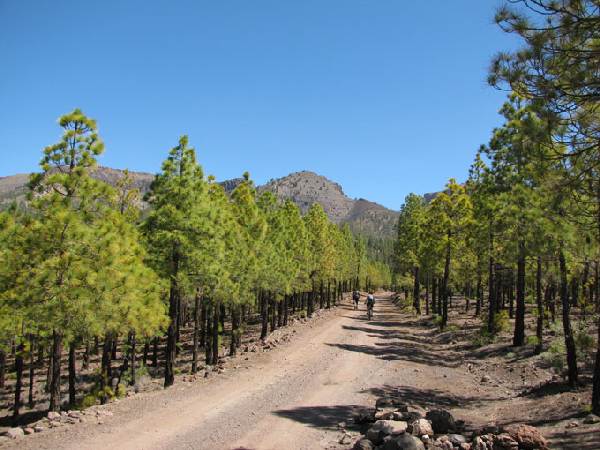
385, 97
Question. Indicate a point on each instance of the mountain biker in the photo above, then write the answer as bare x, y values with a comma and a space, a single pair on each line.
370, 304
356, 298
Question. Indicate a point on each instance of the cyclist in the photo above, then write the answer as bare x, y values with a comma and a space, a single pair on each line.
356, 298
370, 304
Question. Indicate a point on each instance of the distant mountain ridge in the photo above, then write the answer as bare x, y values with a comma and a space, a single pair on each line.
303, 188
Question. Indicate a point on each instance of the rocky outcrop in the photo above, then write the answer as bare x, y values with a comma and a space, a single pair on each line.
405, 428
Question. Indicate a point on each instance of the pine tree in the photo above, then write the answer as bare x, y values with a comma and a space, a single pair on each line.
173, 230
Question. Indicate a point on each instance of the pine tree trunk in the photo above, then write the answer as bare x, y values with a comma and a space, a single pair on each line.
132, 360
18, 381
427, 295
321, 295
40, 355
86, 356
574, 292
203, 323
196, 331
491, 297
286, 300
540, 307
569, 341
49, 372
2, 369
311, 300
328, 294
552, 302
272, 312
596, 381
106, 367
115, 344
215, 330
177, 327
72, 374
479, 292
31, 370
434, 290
234, 330
280, 312
519, 335
55, 399
445, 285
264, 315
222, 314
416, 291
171, 350
208, 348
155, 352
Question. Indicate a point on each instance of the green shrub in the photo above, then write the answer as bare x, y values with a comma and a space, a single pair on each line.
126, 377
555, 356
584, 342
483, 337
106, 392
88, 400
141, 371
121, 390
532, 340
501, 322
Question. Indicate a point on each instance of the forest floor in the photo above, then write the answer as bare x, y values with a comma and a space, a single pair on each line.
296, 394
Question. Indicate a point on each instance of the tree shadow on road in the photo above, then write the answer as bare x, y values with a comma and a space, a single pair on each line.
400, 351
427, 398
326, 417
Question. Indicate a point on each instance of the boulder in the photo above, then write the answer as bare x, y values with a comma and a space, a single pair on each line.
420, 427
346, 439
443, 443
391, 402
383, 428
404, 442
38, 428
441, 421
364, 416
28, 430
528, 437
15, 433
385, 414
411, 416
363, 444
478, 444
53, 415
591, 418
504, 441
457, 439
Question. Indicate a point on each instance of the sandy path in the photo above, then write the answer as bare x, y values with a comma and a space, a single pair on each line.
292, 397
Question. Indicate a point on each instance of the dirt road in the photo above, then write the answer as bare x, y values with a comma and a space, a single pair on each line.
291, 397
294, 397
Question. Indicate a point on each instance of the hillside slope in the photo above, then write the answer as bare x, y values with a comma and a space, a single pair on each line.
303, 188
